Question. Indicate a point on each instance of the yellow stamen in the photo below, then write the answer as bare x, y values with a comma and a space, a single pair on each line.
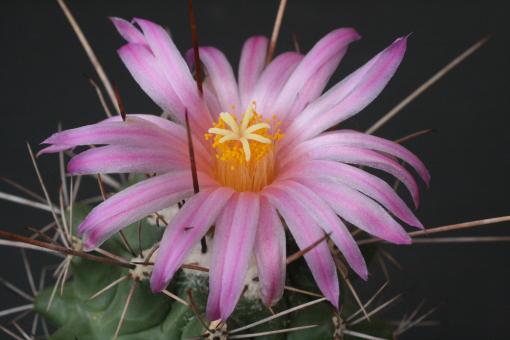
227, 118
244, 152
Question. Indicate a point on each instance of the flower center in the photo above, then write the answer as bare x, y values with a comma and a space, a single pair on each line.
245, 152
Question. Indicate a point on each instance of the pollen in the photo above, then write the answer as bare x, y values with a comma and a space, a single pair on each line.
244, 151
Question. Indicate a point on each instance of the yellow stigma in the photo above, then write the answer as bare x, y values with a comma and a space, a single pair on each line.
244, 152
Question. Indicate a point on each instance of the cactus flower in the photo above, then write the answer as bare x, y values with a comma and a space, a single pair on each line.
265, 162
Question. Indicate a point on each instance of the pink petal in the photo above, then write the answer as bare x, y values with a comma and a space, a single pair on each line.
145, 69
163, 123
306, 232
137, 202
365, 141
128, 31
133, 132
139, 130
270, 253
272, 80
186, 229
364, 157
322, 214
314, 87
251, 64
357, 179
234, 239
173, 129
54, 148
360, 211
222, 79
331, 47
176, 71
211, 100
349, 96
128, 159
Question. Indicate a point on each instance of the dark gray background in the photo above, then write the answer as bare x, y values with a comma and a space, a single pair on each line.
42, 67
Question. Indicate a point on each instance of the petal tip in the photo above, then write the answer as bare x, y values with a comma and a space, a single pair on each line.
142, 22
404, 240
336, 304
401, 42
418, 224
426, 178
363, 273
42, 152
115, 20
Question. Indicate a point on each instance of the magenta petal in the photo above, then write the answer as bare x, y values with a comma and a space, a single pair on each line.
234, 239
306, 232
349, 96
185, 230
360, 211
357, 179
146, 70
323, 215
222, 79
331, 47
251, 64
137, 202
128, 159
128, 31
270, 253
272, 79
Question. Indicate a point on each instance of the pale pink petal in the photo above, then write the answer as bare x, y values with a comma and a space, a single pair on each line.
133, 132
174, 129
270, 252
128, 31
357, 156
272, 79
211, 100
139, 130
147, 72
349, 96
314, 206
163, 123
251, 64
186, 229
128, 159
138, 201
360, 210
333, 45
306, 232
314, 87
362, 140
234, 239
221, 77
176, 71
357, 179
54, 148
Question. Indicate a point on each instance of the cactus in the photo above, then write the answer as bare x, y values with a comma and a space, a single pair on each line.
74, 314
